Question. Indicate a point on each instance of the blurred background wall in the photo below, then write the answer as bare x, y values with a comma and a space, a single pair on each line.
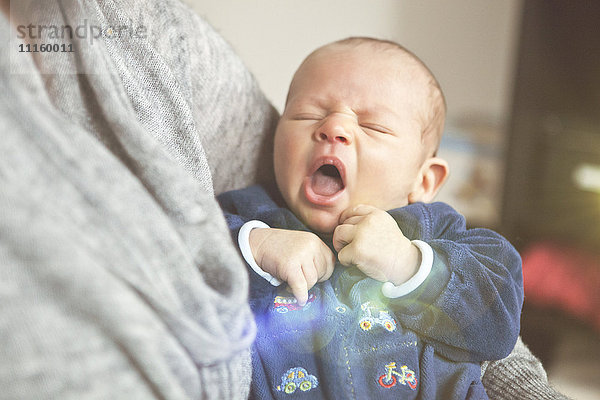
468, 44
511, 137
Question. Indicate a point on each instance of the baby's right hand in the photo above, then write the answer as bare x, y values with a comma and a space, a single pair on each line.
299, 258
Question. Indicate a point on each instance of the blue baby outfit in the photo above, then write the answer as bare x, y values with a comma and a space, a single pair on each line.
351, 342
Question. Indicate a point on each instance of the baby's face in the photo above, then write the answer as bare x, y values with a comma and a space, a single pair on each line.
350, 134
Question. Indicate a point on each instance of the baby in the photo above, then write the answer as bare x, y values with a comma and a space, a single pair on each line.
393, 297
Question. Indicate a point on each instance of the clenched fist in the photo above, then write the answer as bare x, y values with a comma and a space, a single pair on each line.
369, 238
299, 258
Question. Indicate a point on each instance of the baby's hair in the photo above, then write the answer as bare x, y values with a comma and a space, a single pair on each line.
434, 117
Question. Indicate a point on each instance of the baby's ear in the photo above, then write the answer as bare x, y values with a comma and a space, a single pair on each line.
433, 174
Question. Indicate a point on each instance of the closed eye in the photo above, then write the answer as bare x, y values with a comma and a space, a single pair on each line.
377, 128
306, 117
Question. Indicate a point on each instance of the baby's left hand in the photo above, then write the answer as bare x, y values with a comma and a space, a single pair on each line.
369, 238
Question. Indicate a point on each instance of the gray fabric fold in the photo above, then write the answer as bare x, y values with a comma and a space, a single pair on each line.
518, 376
117, 275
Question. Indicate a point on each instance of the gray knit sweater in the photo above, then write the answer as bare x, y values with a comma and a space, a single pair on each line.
117, 276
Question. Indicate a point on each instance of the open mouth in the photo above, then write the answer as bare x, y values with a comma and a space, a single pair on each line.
327, 180
326, 183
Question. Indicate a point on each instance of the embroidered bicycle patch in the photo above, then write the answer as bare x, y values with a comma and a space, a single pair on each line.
391, 377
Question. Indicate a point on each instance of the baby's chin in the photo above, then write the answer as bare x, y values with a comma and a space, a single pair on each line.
321, 224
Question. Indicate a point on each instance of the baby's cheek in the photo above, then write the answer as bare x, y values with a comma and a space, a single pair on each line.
385, 194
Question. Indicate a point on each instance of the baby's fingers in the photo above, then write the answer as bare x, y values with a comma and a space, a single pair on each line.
347, 256
298, 285
360, 210
327, 264
342, 236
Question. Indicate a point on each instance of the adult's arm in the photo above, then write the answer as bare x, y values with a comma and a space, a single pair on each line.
118, 278
518, 376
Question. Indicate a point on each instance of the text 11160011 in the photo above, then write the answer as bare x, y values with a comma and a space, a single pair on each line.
46, 48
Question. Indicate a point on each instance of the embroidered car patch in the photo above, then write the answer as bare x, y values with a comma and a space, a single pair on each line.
297, 378
283, 304
372, 315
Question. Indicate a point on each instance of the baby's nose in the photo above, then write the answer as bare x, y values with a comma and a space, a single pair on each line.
335, 137
337, 129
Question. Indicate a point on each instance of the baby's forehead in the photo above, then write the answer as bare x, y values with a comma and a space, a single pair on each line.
397, 56
356, 63
394, 64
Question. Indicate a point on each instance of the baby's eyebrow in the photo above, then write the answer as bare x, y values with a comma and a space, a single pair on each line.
379, 112
303, 101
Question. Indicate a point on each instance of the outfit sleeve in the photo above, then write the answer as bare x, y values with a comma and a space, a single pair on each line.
392, 291
242, 207
243, 240
239, 208
469, 306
